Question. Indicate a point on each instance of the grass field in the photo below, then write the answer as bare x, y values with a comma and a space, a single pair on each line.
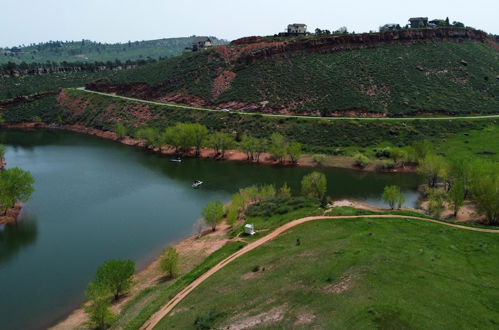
475, 143
367, 273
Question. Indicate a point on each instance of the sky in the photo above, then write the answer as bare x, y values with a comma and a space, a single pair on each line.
32, 21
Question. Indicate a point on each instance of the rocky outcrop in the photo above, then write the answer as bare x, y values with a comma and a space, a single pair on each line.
336, 43
26, 99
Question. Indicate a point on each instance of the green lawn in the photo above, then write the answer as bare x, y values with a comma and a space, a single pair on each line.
358, 274
482, 143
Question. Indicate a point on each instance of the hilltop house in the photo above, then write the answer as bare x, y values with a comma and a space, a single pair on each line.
389, 27
417, 22
436, 22
201, 43
295, 29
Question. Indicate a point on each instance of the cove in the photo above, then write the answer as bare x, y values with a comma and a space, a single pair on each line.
96, 200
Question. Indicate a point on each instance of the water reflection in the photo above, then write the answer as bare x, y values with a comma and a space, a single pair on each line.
16, 236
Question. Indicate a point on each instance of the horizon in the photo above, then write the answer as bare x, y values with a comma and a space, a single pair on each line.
120, 22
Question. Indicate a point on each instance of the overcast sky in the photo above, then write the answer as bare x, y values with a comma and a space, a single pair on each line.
27, 21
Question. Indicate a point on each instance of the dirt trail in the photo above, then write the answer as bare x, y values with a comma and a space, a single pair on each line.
156, 318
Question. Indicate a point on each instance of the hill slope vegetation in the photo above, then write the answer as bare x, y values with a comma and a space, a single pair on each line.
365, 273
403, 73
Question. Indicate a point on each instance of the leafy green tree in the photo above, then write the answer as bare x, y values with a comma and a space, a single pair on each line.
249, 146
422, 148
393, 196
278, 146
485, 192
150, 135
169, 262
436, 200
432, 167
456, 196
361, 160
120, 130
198, 133
213, 214
314, 185
294, 151
2, 156
15, 185
97, 307
115, 276
284, 191
399, 156
319, 159
261, 147
221, 142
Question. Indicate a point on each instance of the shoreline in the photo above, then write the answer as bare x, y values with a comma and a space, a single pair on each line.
305, 160
192, 250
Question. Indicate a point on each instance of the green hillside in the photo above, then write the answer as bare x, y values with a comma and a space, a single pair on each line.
91, 51
353, 274
432, 77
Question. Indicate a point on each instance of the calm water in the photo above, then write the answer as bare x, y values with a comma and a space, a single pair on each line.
96, 200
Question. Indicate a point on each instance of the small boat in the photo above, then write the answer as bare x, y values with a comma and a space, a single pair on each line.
176, 160
196, 184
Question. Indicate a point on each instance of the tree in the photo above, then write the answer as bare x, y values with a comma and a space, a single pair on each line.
213, 214
249, 146
319, 159
485, 193
393, 196
361, 160
221, 142
15, 185
120, 130
314, 185
458, 24
398, 155
2, 156
150, 136
278, 146
433, 167
115, 276
436, 199
97, 307
422, 148
169, 263
198, 134
447, 22
294, 151
456, 196
284, 191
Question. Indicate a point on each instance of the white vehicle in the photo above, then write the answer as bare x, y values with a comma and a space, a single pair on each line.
225, 110
196, 184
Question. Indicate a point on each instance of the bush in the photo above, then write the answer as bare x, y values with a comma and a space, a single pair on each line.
361, 160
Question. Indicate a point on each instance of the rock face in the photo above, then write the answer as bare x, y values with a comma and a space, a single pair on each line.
337, 43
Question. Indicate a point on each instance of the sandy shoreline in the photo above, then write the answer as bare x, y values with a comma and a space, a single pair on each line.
230, 155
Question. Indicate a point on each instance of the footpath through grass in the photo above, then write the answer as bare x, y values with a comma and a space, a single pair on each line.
362, 273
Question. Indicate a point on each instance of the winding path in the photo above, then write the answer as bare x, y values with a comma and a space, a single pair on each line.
156, 318
289, 116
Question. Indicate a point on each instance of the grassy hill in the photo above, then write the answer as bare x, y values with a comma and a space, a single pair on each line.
403, 73
356, 274
91, 51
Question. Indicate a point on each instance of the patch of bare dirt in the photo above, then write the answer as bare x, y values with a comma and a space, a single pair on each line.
274, 315
345, 284
222, 83
304, 319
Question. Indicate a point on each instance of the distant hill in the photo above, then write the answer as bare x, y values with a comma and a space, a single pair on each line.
91, 51
399, 73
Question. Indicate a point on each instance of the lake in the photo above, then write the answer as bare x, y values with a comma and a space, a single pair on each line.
97, 200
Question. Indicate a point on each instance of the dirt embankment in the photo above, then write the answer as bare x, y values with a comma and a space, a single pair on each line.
11, 214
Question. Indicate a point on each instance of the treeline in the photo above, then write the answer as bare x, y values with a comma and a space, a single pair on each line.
186, 138
451, 181
35, 68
